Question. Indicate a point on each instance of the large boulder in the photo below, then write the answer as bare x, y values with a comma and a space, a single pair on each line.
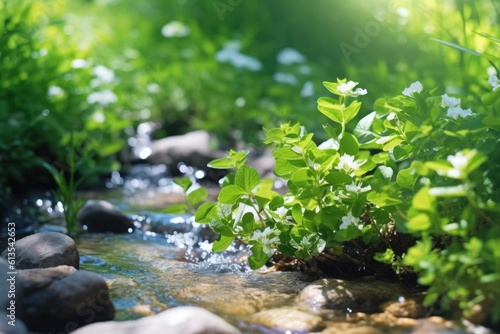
44, 250
185, 320
101, 216
61, 299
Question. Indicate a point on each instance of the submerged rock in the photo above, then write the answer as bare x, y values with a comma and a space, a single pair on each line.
354, 296
286, 320
44, 250
185, 320
63, 299
102, 216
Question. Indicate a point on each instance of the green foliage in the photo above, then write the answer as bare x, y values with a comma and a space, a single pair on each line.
418, 163
68, 184
45, 99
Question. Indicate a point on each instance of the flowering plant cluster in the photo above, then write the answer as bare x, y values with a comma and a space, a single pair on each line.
418, 164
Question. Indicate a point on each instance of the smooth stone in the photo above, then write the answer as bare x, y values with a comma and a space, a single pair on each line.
63, 299
357, 296
44, 250
101, 216
184, 319
194, 149
406, 309
6, 328
286, 319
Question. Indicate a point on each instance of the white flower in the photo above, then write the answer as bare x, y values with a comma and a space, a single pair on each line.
231, 54
357, 188
307, 89
459, 161
415, 87
55, 90
103, 74
103, 98
494, 82
79, 63
347, 163
175, 29
348, 220
287, 78
264, 237
448, 101
289, 56
346, 89
456, 112
391, 116
282, 211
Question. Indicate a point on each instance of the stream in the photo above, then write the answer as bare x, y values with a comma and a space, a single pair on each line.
148, 272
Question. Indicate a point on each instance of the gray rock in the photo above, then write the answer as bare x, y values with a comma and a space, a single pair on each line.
8, 326
357, 296
185, 320
63, 299
101, 216
287, 319
44, 250
196, 149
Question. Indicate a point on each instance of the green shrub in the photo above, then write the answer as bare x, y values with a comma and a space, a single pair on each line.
420, 163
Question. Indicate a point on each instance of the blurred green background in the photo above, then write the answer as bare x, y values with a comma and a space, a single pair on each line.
82, 74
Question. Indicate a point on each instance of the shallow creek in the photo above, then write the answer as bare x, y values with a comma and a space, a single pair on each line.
149, 272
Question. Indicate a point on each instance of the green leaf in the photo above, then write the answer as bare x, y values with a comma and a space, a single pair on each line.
287, 153
184, 182
365, 136
351, 111
176, 208
205, 212
196, 196
330, 108
393, 142
423, 201
247, 223
406, 178
222, 163
285, 168
247, 178
222, 243
383, 199
385, 257
276, 202
349, 144
297, 213
230, 194
456, 46
338, 178
258, 257
420, 222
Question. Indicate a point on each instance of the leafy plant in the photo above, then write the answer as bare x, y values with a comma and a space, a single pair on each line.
418, 164
68, 184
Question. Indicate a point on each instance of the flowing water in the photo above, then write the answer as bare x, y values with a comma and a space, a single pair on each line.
170, 263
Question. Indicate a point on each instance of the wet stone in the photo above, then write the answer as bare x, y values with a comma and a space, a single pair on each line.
354, 296
185, 320
286, 319
406, 309
63, 299
43, 250
101, 216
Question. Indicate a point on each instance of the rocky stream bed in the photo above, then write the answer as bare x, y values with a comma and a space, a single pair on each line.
135, 269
